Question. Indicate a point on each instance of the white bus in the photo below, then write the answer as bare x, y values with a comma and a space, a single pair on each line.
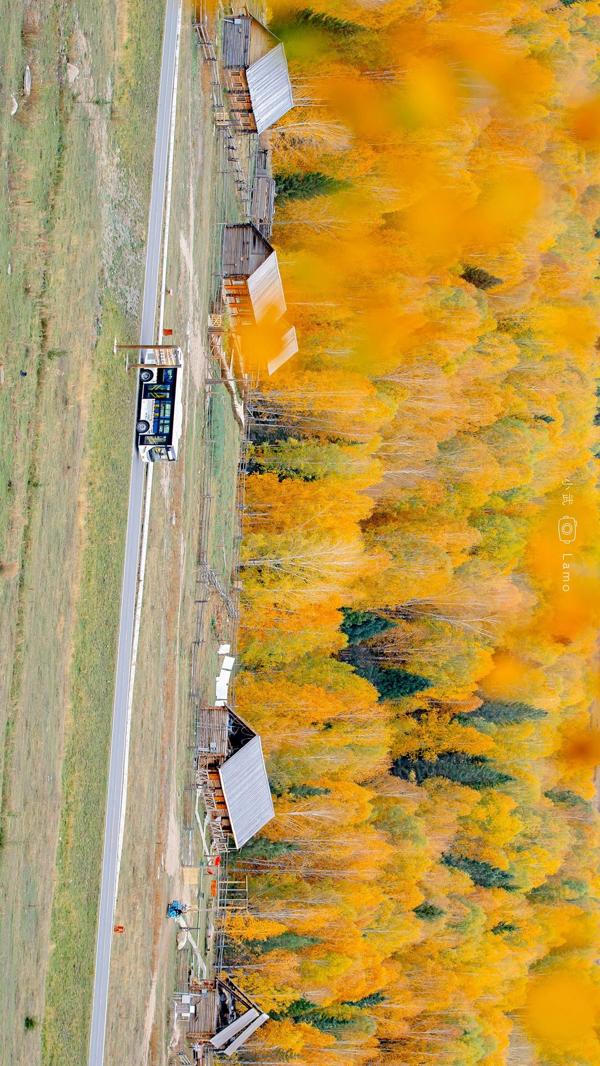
160, 410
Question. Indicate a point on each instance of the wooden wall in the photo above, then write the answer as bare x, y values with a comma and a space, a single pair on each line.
244, 250
236, 42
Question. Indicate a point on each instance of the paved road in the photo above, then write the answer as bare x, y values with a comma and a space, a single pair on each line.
120, 730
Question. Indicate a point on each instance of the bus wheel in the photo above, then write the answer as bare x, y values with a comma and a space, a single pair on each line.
146, 375
142, 426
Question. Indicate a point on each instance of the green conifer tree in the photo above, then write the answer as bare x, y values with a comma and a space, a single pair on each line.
392, 683
566, 798
475, 771
481, 873
480, 278
287, 941
304, 185
303, 791
504, 927
361, 625
501, 713
428, 911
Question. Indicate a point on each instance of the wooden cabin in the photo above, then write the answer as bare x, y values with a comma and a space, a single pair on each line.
255, 73
232, 774
251, 279
262, 207
218, 1017
252, 287
244, 250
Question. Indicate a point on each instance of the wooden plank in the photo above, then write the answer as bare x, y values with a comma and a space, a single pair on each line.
261, 41
236, 41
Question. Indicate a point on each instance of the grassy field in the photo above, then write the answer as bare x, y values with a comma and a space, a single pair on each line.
30, 145
68, 998
91, 695
72, 219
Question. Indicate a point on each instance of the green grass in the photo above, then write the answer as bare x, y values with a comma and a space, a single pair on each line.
78, 866
73, 931
29, 143
50, 238
73, 211
50, 225
134, 110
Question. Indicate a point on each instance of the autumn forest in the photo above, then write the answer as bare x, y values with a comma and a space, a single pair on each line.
420, 559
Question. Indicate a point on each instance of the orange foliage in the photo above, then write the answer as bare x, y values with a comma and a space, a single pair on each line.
444, 396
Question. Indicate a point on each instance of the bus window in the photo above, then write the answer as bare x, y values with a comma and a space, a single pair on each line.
156, 392
163, 423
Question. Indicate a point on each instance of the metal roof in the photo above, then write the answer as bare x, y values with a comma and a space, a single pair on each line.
289, 347
226, 1035
266, 290
235, 1035
247, 792
245, 1034
270, 88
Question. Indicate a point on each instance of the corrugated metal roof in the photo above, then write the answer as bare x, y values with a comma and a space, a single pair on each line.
246, 1034
226, 1035
247, 792
289, 347
270, 88
266, 290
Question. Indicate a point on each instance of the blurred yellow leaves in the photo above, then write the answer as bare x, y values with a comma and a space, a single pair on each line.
446, 300
263, 341
562, 1014
581, 749
509, 198
429, 96
511, 676
567, 326
583, 123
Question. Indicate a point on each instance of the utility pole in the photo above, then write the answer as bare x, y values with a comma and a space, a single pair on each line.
175, 360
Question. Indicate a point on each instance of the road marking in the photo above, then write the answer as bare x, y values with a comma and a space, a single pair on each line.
139, 595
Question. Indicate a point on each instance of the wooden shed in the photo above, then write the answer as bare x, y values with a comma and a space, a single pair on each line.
232, 774
218, 1017
256, 74
263, 194
252, 287
251, 279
